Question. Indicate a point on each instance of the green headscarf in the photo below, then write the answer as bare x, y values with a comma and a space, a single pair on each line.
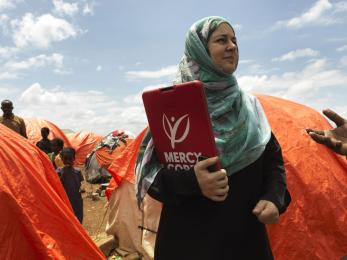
239, 123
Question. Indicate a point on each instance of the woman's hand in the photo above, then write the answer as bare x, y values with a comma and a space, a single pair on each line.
266, 212
213, 185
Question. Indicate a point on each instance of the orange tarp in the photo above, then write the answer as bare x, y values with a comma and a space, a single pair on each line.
34, 125
105, 158
83, 142
36, 218
315, 224
123, 166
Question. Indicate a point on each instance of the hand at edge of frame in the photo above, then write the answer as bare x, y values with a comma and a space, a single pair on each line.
335, 139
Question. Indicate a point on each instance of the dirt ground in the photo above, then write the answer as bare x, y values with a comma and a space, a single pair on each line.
95, 210
95, 217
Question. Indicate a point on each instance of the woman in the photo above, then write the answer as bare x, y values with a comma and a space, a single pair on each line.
218, 215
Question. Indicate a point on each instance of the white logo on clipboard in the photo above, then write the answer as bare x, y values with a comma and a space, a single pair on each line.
173, 127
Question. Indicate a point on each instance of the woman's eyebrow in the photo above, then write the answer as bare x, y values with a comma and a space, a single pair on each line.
225, 35
220, 35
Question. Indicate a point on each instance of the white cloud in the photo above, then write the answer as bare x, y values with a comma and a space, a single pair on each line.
5, 92
96, 111
169, 71
62, 71
89, 110
88, 9
12, 69
343, 110
8, 75
343, 61
245, 61
137, 98
4, 22
237, 26
296, 85
290, 56
99, 68
340, 7
41, 31
62, 8
55, 60
4, 18
8, 4
7, 52
320, 13
342, 48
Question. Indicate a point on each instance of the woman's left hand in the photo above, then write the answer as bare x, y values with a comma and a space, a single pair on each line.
266, 212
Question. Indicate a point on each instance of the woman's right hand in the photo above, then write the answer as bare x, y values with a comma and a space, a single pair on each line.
213, 185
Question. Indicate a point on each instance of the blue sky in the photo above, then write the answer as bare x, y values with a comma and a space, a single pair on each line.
83, 64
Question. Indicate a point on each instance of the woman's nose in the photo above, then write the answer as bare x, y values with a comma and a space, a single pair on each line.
231, 45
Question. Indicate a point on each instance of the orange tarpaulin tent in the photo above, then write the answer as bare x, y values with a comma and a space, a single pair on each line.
34, 125
36, 220
123, 167
109, 148
83, 142
315, 224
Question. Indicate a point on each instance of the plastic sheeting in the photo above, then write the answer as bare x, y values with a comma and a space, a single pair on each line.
36, 220
95, 173
315, 224
105, 152
133, 228
34, 125
123, 167
83, 142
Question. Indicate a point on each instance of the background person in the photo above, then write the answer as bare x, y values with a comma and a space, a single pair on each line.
10, 120
335, 139
221, 214
71, 179
57, 144
44, 144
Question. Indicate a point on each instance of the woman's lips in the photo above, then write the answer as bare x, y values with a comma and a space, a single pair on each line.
230, 58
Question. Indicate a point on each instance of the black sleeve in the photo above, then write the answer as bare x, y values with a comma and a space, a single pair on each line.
174, 186
275, 188
80, 176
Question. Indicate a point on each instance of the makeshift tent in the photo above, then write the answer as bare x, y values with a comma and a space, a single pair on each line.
34, 125
37, 221
84, 142
315, 224
111, 146
135, 229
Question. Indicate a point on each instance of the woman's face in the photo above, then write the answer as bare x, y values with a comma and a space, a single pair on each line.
223, 50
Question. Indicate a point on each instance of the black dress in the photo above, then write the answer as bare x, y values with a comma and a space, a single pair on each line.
194, 227
71, 179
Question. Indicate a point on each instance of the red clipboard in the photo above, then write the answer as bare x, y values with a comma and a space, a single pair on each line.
180, 124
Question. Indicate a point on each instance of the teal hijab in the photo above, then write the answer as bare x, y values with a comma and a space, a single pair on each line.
239, 123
